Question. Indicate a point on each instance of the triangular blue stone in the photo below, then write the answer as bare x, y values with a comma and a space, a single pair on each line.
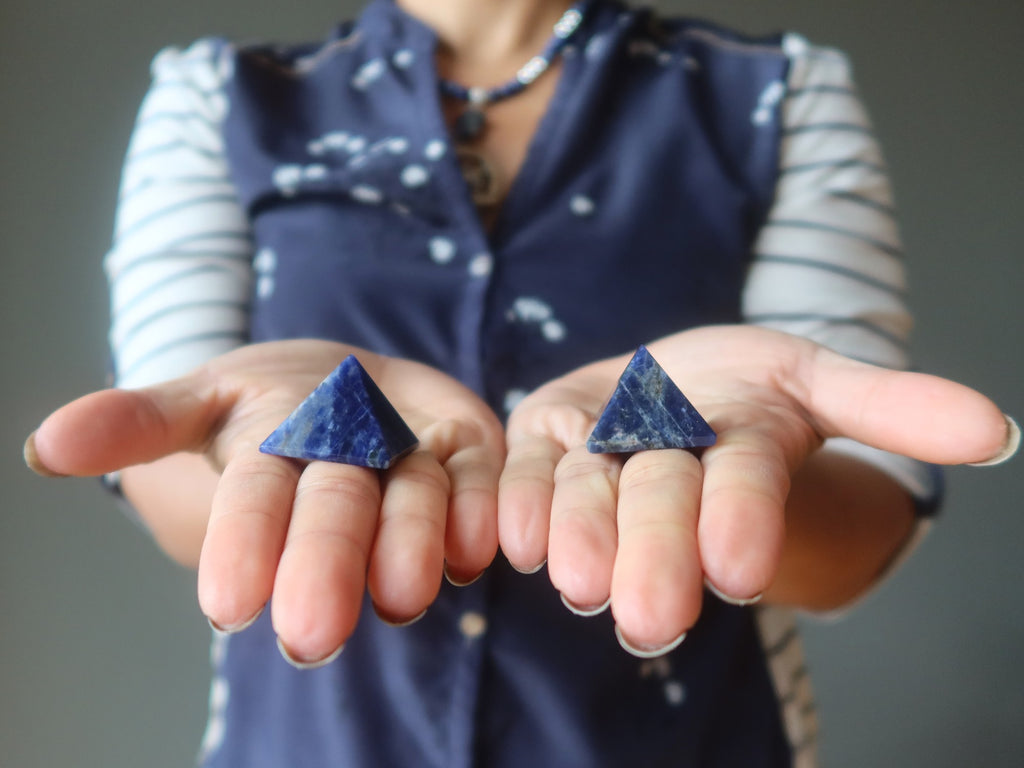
647, 411
347, 420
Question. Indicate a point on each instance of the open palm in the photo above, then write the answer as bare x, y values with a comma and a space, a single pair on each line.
647, 533
312, 535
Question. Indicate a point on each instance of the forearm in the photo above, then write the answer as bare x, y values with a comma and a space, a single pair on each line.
845, 522
173, 497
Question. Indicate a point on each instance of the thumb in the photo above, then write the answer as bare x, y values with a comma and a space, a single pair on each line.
915, 414
115, 428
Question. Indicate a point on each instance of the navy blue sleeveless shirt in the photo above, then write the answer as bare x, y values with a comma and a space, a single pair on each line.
632, 217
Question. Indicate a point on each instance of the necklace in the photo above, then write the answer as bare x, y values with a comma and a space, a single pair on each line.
471, 123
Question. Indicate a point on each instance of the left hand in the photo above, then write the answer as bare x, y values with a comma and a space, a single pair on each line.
648, 531
313, 535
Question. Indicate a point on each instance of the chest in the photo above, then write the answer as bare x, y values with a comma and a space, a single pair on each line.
622, 216
493, 160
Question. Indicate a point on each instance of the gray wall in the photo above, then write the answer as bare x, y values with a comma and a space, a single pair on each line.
102, 649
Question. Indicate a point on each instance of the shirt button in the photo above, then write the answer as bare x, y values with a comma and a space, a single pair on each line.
472, 625
581, 205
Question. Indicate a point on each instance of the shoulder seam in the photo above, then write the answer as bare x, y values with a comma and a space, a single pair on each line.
722, 41
303, 65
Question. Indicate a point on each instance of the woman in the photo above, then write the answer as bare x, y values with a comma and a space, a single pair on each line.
671, 176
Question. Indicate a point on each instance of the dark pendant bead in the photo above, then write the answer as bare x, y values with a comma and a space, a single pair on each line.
480, 177
469, 125
647, 411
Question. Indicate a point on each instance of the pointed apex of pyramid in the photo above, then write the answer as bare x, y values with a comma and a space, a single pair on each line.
647, 411
346, 420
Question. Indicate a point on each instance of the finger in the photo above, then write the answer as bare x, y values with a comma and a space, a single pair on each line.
525, 494
657, 583
321, 576
918, 415
246, 531
583, 538
471, 540
408, 555
540, 431
114, 428
472, 456
742, 520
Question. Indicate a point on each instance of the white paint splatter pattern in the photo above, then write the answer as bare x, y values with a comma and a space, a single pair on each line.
414, 176
368, 74
513, 398
481, 265
442, 249
398, 145
660, 668
596, 47
553, 331
403, 59
356, 153
265, 265
767, 101
675, 693
364, 193
435, 149
287, 179
581, 205
529, 309
533, 311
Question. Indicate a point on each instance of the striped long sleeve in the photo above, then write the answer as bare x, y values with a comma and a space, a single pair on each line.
828, 264
180, 264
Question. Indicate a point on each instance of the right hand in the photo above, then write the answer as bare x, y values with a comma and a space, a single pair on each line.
645, 533
311, 535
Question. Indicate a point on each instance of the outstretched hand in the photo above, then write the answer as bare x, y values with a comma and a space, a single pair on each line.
646, 534
312, 535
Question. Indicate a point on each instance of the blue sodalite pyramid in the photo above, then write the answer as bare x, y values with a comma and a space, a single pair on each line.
647, 411
347, 420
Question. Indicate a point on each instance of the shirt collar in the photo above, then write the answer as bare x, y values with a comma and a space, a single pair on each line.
386, 22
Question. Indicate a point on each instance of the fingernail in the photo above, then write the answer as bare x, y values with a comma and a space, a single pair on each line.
235, 628
528, 571
647, 652
587, 611
458, 581
398, 622
33, 461
305, 665
1009, 448
740, 601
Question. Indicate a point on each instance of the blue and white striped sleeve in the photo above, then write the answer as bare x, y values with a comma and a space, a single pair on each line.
828, 264
180, 265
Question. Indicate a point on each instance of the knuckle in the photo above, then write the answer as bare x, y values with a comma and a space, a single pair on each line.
339, 541
446, 437
422, 471
574, 468
355, 487
260, 469
564, 424
658, 469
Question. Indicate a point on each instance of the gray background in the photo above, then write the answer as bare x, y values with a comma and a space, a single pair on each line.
102, 648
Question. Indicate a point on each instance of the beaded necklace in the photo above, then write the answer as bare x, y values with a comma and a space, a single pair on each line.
472, 122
